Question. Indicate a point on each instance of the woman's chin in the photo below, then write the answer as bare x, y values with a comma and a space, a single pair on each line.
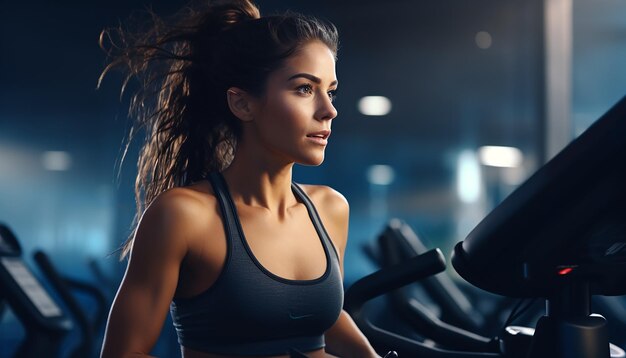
313, 162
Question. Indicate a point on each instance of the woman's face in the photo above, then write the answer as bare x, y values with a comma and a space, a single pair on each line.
293, 118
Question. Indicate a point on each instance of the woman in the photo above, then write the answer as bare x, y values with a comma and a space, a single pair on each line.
230, 101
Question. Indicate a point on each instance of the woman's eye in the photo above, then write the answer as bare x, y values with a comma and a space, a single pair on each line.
305, 89
332, 95
308, 89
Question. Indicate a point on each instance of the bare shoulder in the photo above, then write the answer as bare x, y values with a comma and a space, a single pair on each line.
178, 213
186, 200
178, 205
327, 199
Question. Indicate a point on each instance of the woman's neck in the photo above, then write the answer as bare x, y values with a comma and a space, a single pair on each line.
253, 180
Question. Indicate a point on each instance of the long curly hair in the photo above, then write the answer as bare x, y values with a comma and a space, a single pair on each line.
183, 67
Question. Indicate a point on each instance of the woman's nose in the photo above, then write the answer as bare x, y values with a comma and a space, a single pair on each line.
326, 110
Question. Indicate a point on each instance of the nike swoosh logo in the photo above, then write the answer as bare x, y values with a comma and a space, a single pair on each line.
299, 317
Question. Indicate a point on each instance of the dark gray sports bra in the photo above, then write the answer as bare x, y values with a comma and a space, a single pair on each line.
249, 310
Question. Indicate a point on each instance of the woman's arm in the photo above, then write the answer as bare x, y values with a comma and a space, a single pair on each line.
344, 339
142, 301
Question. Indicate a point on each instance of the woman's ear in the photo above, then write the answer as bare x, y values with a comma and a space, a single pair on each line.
240, 103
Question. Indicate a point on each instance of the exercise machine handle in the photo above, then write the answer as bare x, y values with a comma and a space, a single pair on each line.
387, 280
394, 277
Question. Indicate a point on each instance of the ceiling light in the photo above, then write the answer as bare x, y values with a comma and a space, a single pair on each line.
374, 105
496, 156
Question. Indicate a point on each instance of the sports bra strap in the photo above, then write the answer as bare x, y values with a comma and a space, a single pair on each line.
313, 214
226, 204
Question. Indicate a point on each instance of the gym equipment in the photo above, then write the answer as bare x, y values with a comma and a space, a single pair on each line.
396, 243
45, 322
89, 331
399, 243
445, 299
513, 343
384, 281
560, 236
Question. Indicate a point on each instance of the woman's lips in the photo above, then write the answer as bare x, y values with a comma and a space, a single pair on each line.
320, 137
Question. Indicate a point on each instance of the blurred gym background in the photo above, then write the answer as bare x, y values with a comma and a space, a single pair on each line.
445, 107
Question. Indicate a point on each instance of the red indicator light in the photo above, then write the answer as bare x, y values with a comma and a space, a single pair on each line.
565, 271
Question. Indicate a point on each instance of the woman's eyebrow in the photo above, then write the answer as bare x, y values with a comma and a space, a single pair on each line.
311, 78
